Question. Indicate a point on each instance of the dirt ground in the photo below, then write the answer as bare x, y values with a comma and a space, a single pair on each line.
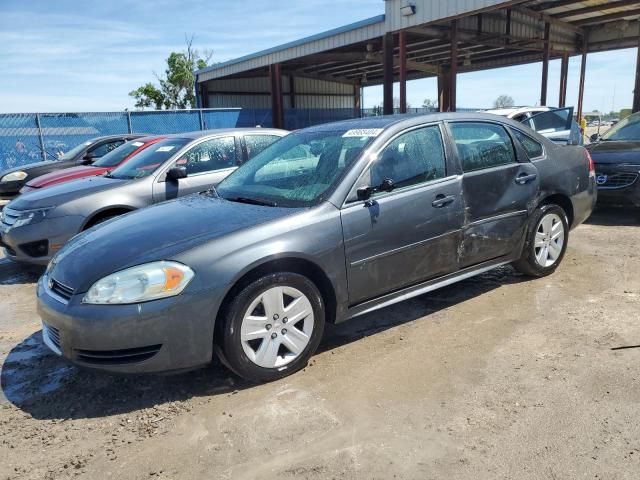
498, 377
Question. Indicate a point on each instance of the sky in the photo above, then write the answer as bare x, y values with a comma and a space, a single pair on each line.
72, 55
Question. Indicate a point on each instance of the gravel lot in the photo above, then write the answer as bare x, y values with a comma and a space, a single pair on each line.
499, 377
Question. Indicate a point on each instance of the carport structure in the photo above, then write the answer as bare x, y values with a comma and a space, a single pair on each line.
419, 39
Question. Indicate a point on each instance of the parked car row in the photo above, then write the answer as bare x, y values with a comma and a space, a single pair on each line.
242, 244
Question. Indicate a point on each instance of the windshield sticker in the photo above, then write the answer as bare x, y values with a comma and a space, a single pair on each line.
137, 144
363, 132
165, 149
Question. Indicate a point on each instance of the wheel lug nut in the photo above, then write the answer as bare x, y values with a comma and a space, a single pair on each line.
274, 335
269, 327
284, 331
276, 317
285, 320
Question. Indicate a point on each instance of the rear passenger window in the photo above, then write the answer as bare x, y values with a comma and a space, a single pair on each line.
534, 149
412, 158
255, 144
482, 145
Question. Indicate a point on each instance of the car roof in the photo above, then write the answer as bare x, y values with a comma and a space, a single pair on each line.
514, 110
220, 131
402, 121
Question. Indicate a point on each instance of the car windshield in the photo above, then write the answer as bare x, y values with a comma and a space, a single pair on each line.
625, 131
297, 171
117, 156
148, 161
75, 151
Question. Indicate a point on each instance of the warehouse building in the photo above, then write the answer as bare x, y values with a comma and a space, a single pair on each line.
419, 39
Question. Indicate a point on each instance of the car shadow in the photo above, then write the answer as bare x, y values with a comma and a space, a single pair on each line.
12, 273
48, 387
615, 217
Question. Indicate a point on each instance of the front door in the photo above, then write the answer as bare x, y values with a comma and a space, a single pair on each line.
408, 235
498, 187
206, 164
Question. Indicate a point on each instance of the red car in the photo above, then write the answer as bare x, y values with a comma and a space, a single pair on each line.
107, 163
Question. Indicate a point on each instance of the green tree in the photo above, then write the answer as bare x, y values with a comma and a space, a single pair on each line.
428, 103
503, 101
177, 87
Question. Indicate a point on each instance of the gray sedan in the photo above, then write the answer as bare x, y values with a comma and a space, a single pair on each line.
326, 224
36, 225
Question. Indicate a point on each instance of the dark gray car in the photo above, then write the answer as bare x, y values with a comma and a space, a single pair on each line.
37, 224
328, 223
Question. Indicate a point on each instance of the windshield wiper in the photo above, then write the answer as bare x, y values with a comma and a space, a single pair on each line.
253, 201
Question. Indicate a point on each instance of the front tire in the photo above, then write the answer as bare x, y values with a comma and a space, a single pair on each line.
272, 327
546, 242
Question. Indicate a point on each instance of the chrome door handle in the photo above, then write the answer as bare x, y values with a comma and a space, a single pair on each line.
525, 178
442, 201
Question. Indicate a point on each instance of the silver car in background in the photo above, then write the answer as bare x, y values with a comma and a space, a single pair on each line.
36, 225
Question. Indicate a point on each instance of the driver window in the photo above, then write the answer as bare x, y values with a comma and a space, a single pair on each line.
209, 156
413, 158
102, 150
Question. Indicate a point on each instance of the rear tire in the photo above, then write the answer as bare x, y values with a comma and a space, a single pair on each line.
546, 242
272, 327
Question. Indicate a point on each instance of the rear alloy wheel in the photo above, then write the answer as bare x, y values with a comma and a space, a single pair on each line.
546, 242
272, 327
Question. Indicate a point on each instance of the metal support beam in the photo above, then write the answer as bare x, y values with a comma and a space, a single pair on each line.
387, 64
443, 90
403, 71
277, 104
357, 100
607, 18
564, 73
600, 7
204, 95
292, 91
545, 64
453, 71
636, 91
583, 71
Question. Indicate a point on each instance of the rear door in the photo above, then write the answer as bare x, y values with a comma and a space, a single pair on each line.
410, 234
207, 164
498, 184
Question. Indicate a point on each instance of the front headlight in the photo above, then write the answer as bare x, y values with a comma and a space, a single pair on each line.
14, 176
29, 217
140, 284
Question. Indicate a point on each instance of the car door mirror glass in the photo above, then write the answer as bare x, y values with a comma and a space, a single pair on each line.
595, 137
387, 185
176, 173
364, 193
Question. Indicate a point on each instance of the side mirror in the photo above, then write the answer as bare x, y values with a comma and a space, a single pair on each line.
387, 185
88, 159
176, 173
595, 137
364, 193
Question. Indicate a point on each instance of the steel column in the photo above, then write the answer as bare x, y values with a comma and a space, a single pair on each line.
43, 152
357, 101
564, 73
204, 96
387, 65
443, 90
636, 90
292, 90
277, 110
545, 63
403, 71
453, 70
583, 71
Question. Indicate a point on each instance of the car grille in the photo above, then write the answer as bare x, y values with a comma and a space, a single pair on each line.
60, 290
52, 334
616, 180
117, 357
9, 216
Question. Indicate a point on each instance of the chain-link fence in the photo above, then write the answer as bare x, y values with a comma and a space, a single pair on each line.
32, 137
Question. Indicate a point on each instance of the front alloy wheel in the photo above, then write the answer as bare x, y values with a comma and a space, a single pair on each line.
271, 327
277, 327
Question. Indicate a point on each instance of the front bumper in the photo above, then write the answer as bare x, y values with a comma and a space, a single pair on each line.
618, 184
37, 243
159, 336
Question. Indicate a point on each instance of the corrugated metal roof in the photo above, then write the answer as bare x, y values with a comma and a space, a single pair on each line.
338, 37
